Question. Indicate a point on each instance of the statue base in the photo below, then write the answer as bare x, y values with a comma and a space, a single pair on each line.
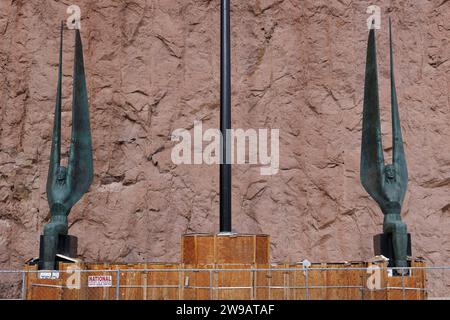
67, 246
225, 248
383, 245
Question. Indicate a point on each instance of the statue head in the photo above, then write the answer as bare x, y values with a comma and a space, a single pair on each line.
61, 174
389, 172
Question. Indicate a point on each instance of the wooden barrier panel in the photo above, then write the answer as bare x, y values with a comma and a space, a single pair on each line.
277, 282
355, 280
225, 249
375, 282
65, 285
101, 292
197, 285
72, 282
409, 287
273, 284
130, 282
316, 281
297, 281
41, 289
417, 280
162, 285
321, 281
341, 283
233, 285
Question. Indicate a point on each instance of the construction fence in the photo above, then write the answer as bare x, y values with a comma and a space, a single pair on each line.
222, 282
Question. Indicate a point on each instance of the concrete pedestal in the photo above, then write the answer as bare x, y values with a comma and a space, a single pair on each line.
67, 246
382, 244
211, 249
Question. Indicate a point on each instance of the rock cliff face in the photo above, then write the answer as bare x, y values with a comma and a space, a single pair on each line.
153, 66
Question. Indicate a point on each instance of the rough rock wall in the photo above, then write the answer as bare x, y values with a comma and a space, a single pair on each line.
153, 66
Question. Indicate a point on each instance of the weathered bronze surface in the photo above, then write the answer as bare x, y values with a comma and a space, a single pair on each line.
385, 183
65, 186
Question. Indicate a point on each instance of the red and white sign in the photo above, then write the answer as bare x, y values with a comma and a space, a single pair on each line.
99, 281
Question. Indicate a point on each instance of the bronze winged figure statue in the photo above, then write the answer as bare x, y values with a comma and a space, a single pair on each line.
65, 186
385, 183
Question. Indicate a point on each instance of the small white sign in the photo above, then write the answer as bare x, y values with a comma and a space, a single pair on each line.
52, 275
99, 281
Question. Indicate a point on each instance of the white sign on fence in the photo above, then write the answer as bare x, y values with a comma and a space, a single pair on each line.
52, 275
99, 281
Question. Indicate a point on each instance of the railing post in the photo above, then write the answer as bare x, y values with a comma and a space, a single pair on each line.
363, 288
118, 284
403, 284
210, 284
254, 283
306, 284
180, 283
24, 289
270, 282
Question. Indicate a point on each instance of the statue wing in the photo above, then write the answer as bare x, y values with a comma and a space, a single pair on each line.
55, 154
80, 166
372, 160
398, 153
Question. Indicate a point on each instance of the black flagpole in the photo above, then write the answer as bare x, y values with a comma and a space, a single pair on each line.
225, 118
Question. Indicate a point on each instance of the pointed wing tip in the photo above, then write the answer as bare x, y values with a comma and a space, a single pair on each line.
372, 32
365, 183
372, 26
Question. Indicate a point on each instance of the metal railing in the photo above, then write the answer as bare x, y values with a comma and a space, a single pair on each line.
231, 283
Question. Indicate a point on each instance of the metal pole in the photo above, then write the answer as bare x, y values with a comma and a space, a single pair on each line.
118, 284
270, 283
403, 283
225, 118
210, 285
23, 285
254, 284
180, 284
306, 284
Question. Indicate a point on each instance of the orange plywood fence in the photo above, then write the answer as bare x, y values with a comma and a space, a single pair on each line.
55, 285
100, 292
204, 249
375, 280
198, 284
41, 289
72, 281
173, 281
411, 287
234, 283
271, 281
162, 285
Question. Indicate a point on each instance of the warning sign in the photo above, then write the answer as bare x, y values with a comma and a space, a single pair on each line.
99, 281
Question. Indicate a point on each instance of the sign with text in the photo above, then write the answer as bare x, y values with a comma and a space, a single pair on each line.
99, 281
49, 275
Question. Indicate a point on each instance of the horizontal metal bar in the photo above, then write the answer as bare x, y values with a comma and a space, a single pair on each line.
224, 270
161, 286
249, 287
232, 288
405, 288
48, 285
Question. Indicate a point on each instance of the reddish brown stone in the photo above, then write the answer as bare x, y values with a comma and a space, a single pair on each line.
153, 66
